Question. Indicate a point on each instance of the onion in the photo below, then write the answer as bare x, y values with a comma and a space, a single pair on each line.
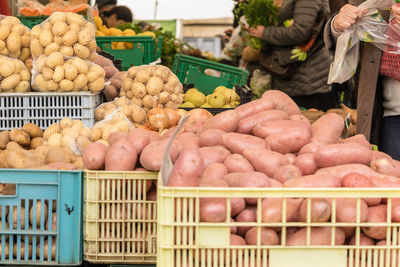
157, 119
198, 114
173, 117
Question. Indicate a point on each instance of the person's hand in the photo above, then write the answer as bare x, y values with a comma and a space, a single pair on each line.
396, 12
347, 17
256, 31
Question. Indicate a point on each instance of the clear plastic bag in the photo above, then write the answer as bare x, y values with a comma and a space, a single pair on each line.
152, 87
371, 28
14, 76
234, 48
116, 121
260, 82
15, 38
64, 32
133, 112
58, 73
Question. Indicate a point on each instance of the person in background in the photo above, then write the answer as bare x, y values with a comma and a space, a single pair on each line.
118, 15
378, 104
105, 5
307, 84
5, 8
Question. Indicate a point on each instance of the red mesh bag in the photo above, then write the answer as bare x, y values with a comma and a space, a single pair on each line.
390, 62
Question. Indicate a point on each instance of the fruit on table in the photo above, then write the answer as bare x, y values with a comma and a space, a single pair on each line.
222, 97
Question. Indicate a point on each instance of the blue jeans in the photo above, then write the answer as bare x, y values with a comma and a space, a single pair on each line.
390, 136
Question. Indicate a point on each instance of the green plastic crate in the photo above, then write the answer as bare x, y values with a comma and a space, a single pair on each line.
191, 70
31, 21
145, 49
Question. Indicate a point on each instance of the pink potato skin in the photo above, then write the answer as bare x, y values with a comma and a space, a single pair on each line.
310, 148
94, 156
356, 180
376, 214
287, 172
327, 129
254, 107
237, 143
379, 155
152, 155
246, 125
115, 137
289, 141
184, 174
139, 139
339, 154
265, 161
263, 130
306, 164
215, 171
359, 139
211, 137
282, 101
246, 215
214, 154
212, 209
319, 236
227, 121
189, 140
121, 156
237, 163
291, 158
314, 181
387, 166
272, 209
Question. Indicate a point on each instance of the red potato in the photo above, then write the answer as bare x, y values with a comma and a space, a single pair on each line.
167, 133
275, 183
289, 141
154, 136
237, 163
282, 101
227, 121
212, 209
320, 210
254, 107
214, 154
122, 156
246, 215
319, 236
342, 170
248, 179
209, 182
299, 117
339, 154
314, 180
237, 240
359, 139
327, 129
211, 137
61, 166
306, 164
396, 209
94, 156
265, 161
247, 124
184, 174
286, 172
152, 155
291, 158
263, 130
387, 166
139, 139
310, 148
233, 228
385, 180
189, 140
379, 155
215, 171
268, 236
237, 143
364, 240
376, 214
272, 209
151, 195
356, 180
116, 136
346, 211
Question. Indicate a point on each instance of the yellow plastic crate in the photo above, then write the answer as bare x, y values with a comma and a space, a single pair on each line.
120, 224
184, 241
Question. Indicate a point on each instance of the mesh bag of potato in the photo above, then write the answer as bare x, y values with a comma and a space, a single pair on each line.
114, 122
68, 133
58, 73
134, 113
15, 38
14, 76
152, 87
67, 33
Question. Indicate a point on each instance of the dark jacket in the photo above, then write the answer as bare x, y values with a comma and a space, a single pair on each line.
369, 101
311, 75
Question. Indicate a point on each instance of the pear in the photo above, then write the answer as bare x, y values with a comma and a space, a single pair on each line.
187, 105
230, 95
217, 100
196, 98
206, 105
219, 89
235, 103
227, 106
190, 92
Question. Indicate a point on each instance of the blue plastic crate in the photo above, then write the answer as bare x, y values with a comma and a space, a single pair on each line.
58, 190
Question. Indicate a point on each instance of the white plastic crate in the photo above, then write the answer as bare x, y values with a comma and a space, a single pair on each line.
44, 109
